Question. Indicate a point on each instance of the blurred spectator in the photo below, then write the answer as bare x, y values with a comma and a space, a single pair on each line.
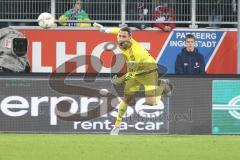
163, 13
106, 10
76, 13
221, 10
234, 5
190, 61
139, 11
235, 12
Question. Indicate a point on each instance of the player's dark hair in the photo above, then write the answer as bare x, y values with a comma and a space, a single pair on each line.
127, 29
189, 36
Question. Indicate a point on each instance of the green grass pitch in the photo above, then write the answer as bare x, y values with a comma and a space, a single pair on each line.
122, 147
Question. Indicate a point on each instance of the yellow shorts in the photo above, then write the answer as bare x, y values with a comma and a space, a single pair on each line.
149, 82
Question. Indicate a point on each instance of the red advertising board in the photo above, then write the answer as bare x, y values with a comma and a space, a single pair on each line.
50, 49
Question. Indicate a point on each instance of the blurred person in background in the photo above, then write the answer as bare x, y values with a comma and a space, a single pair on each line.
76, 13
162, 13
220, 11
139, 11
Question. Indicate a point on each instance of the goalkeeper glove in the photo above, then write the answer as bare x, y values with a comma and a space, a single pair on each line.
116, 81
101, 28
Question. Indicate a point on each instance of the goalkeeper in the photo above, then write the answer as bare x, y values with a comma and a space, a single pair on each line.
141, 70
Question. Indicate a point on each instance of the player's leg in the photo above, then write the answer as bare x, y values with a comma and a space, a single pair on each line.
122, 108
153, 91
130, 88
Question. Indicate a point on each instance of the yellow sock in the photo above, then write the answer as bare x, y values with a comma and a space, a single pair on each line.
118, 121
121, 110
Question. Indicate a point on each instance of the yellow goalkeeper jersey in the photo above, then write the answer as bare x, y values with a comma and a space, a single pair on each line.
138, 59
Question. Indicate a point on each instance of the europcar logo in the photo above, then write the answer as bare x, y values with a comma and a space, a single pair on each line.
226, 107
233, 107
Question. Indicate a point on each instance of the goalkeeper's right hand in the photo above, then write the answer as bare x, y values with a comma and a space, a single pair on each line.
97, 25
101, 28
117, 81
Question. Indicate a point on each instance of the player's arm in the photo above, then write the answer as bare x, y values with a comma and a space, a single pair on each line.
114, 30
133, 71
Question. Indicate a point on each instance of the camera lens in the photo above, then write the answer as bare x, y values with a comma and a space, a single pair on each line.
20, 46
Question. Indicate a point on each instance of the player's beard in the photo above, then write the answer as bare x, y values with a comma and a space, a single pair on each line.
125, 44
